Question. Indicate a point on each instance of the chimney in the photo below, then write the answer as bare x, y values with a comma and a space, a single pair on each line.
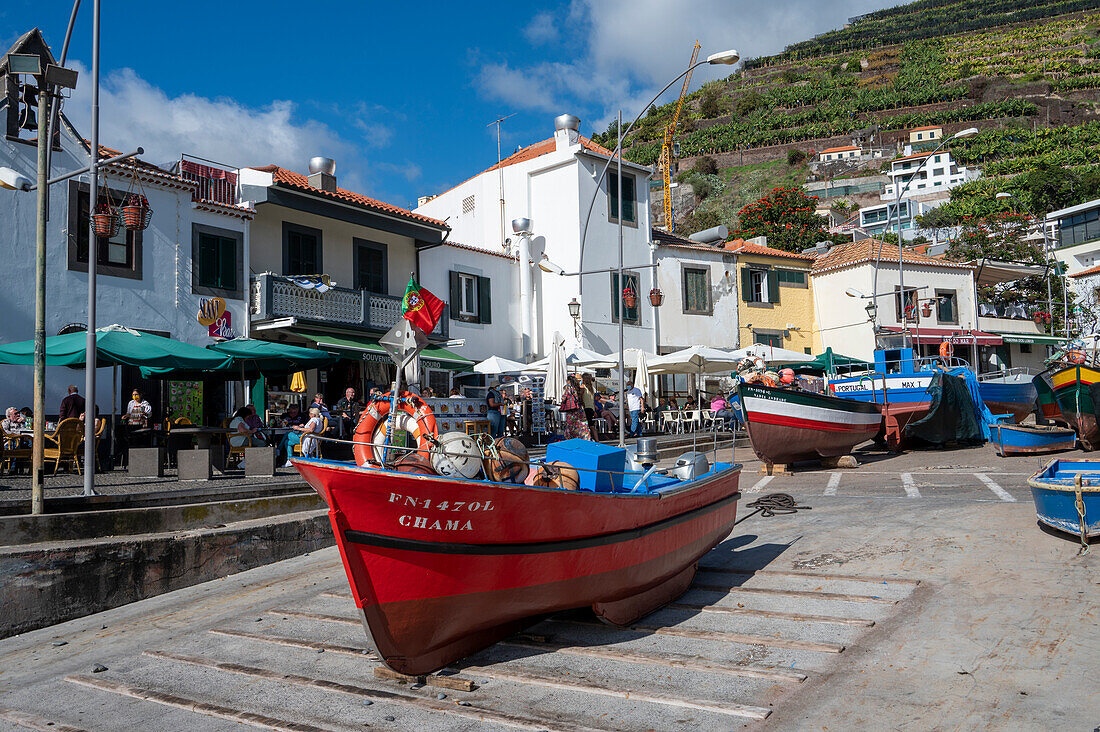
566, 131
322, 174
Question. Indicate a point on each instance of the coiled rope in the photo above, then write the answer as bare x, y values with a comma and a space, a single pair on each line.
774, 504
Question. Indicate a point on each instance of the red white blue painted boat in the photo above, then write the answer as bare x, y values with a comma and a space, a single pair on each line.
442, 567
1021, 439
1055, 491
787, 425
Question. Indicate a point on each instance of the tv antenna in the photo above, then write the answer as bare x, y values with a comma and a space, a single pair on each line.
500, 177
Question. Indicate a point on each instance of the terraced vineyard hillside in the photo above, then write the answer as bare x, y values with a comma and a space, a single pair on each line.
1028, 76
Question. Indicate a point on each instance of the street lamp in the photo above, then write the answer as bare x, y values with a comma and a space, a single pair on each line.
898, 191
722, 58
575, 314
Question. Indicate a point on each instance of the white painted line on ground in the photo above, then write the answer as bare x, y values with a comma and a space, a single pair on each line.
834, 481
759, 485
992, 485
910, 486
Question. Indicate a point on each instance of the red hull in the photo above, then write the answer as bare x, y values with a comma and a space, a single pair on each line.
1018, 411
897, 416
438, 578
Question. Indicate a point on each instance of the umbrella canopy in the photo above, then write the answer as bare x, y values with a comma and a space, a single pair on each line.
580, 356
772, 354
496, 365
641, 373
694, 360
554, 387
273, 358
116, 345
611, 360
828, 361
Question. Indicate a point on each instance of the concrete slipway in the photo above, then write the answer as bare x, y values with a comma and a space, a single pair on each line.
923, 602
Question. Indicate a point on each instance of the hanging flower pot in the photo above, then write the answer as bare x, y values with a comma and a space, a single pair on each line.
630, 298
136, 213
1041, 316
656, 297
926, 310
105, 220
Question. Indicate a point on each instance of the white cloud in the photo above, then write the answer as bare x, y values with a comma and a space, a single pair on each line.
541, 29
134, 112
630, 48
408, 170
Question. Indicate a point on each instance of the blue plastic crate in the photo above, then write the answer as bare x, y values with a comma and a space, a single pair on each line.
587, 457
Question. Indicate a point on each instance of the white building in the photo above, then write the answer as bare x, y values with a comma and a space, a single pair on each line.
939, 174
885, 216
844, 152
943, 306
699, 285
196, 247
362, 252
551, 183
1076, 241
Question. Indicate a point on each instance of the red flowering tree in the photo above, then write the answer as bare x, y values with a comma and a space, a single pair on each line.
786, 216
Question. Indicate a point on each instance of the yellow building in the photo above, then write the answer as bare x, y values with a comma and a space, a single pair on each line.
775, 305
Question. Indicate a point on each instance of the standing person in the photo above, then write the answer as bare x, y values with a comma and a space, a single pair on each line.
495, 404
347, 410
588, 400
576, 424
71, 406
138, 411
635, 402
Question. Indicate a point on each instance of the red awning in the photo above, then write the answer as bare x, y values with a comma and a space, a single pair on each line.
958, 337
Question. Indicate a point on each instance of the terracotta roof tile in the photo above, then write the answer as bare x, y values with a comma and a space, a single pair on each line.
533, 151
740, 246
1086, 272
911, 157
289, 178
479, 250
840, 149
926, 127
865, 250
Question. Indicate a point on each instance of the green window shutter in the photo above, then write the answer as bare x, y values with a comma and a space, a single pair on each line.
773, 286
616, 295
228, 263
629, 198
746, 284
456, 296
484, 301
207, 261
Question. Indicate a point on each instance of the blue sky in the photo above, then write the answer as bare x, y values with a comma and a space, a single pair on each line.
399, 93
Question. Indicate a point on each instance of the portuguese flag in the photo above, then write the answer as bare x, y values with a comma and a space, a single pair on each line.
420, 307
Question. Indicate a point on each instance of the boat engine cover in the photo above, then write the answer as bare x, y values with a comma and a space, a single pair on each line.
690, 466
457, 456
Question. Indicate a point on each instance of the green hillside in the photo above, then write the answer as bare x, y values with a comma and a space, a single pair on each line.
1029, 80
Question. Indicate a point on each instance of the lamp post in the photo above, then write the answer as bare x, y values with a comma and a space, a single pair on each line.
726, 58
575, 314
93, 265
898, 191
522, 228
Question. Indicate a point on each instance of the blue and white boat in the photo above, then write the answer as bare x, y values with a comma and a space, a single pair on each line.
1026, 439
1055, 490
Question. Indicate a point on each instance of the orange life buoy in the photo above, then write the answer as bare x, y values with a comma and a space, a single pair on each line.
946, 350
416, 418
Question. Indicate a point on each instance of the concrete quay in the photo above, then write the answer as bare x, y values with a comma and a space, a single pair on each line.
914, 595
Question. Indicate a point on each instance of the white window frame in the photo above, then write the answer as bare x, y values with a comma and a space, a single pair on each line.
464, 304
759, 278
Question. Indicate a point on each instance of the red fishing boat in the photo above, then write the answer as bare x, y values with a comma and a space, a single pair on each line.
441, 567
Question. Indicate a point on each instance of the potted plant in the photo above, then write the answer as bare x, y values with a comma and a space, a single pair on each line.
105, 220
630, 298
136, 213
656, 297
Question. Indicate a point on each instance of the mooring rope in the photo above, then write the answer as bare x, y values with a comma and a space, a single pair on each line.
772, 505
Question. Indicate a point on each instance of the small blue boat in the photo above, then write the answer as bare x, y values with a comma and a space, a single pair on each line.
1055, 489
1019, 439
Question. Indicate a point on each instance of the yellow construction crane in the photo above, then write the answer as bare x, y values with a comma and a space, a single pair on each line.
666, 146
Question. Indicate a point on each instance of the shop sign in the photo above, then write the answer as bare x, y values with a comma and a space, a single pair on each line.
218, 320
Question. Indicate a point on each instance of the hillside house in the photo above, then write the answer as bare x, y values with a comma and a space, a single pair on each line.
921, 138
551, 183
939, 174
846, 152
1076, 241
699, 284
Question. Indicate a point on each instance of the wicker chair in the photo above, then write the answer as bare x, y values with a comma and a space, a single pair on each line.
236, 452
13, 451
63, 446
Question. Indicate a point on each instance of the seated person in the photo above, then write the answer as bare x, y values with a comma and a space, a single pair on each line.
242, 435
455, 394
347, 414
608, 410
300, 434
13, 420
255, 424
722, 411
293, 416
